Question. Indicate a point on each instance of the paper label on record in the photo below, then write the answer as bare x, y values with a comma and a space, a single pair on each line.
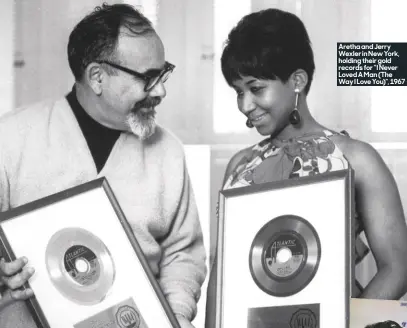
91, 270
284, 241
123, 315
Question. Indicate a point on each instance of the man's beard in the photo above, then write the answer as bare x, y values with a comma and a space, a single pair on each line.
142, 123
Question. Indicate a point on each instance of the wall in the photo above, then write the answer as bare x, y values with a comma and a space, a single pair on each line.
6, 56
41, 42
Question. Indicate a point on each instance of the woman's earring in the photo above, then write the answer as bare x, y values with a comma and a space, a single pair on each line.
295, 117
249, 124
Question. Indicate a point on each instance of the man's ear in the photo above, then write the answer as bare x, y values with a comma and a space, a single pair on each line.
94, 75
299, 80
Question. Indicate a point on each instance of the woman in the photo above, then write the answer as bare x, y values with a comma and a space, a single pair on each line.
268, 61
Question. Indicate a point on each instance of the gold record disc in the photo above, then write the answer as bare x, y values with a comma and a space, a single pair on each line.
285, 255
79, 265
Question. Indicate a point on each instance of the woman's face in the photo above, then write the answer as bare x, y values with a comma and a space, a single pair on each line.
267, 103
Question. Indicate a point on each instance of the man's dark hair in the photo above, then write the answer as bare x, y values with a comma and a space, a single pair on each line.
384, 324
95, 37
268, 44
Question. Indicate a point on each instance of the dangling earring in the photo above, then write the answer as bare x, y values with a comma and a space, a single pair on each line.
295, 117
249, 124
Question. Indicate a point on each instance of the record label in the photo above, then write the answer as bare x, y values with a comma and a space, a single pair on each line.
82, 265
284, 255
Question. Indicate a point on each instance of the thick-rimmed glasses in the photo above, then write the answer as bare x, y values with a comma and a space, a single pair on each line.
150, 80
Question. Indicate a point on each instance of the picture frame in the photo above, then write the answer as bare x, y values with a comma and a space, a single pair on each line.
116, 287
252, 218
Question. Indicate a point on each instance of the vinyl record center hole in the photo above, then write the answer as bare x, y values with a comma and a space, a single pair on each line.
82, 265
283, 255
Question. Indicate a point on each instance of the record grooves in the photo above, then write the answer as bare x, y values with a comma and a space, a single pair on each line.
79, 266
285, 255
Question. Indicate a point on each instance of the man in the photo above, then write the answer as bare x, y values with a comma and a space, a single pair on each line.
384, 324
105, 127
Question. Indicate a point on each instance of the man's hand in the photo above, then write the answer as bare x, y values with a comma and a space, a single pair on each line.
14, 275
184, 322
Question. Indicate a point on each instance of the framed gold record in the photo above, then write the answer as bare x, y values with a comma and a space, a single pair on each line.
90, 270
287, 249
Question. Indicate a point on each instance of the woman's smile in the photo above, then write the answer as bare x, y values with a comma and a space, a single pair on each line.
257, 118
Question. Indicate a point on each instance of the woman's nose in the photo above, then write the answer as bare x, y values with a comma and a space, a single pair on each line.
247, 104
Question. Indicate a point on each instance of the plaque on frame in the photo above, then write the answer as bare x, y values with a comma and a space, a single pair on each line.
285, 253
89, 268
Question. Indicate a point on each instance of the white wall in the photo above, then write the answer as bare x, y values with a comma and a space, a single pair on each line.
6, 56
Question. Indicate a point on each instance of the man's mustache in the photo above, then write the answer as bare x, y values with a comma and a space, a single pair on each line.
148, 102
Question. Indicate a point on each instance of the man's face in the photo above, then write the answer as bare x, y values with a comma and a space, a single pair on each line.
125, 102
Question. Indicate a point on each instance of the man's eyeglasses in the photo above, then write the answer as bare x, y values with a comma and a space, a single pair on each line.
151, 80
